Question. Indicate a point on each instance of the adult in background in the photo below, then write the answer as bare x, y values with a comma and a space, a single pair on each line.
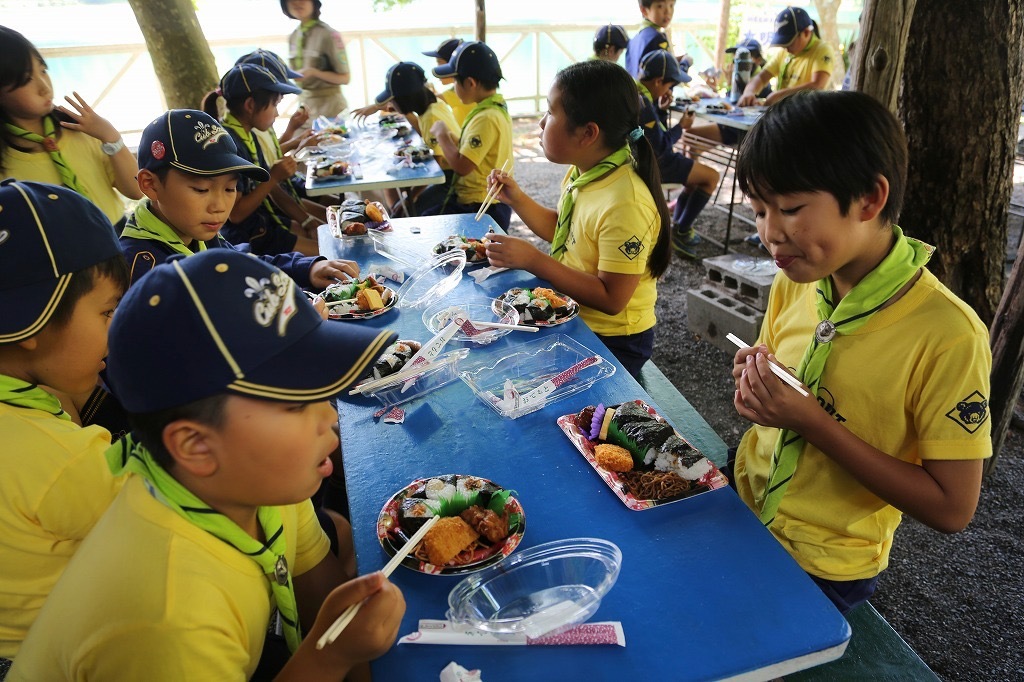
317, 52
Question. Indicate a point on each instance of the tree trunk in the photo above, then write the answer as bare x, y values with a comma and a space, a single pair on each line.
960, 105
877, 60
1007, 334
827, 10
481, 21
181, 57
722, 39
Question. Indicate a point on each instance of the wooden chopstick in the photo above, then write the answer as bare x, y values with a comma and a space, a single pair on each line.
348, 614
778, 371
492, 195
502, 325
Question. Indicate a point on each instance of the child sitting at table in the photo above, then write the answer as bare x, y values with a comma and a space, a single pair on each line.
189, 169
897, 366
442, 55
805, 63
609, 237
609, 42
405, 89
657, 16
267, 215
74, 147
659, 72
213, 528
62, 275
486, 141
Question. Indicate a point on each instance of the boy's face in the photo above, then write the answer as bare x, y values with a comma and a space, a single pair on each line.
194, 207
660, 12
263, 119
449, 79
32, 100
810, 240
301, 9
272, 453
468, 90
659, 87
69, 357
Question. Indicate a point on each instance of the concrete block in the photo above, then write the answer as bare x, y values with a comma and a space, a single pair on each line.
744, 278
711, 315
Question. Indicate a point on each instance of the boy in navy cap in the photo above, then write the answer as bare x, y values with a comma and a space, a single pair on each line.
293, 135
805, 64
609, 42
61, 277
269, 215
232, 433
441, 55
486, 142
659, 73
651, 36
189, 169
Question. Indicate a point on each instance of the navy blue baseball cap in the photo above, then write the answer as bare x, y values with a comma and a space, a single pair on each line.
245, 79
445, 49
611, 35
47, 233
270, 61
404, 78
788, 25
752, 46
471, 59
193, 142
225, 322
661, 64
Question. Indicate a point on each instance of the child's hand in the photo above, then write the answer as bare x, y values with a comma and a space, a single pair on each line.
438, 129
510, 192
370, 634
283, 169
687, 119
747, 100
510, 252
765, 399
666, 100
88, 121
308, 72
360, 114
299, 118
307, 138
324, 273
739, 361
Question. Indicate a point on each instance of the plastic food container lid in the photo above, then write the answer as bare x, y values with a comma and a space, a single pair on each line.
432, 280
539, 591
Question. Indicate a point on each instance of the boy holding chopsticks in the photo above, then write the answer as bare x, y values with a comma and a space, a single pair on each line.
214, 528
897, 366
486, 140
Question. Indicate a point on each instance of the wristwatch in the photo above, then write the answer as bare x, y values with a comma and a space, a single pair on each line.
111, 148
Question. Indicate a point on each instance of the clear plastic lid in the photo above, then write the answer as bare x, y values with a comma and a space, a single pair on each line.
432, 280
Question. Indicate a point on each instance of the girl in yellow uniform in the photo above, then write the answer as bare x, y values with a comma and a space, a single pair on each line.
609, 237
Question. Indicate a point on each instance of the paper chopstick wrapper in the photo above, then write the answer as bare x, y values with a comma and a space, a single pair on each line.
480, 274
445, 633
513, 401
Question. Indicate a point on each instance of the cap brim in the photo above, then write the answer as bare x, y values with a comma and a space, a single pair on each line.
343, 352
283, 88
226, 163
24, 311
780, 40
384, 97
444, 70
685, 77
432, 53
291, 73
730, 50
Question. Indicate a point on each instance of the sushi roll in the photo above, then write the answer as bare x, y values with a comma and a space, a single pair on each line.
414, 512
631, 412
437, 489
540, 310
468, 486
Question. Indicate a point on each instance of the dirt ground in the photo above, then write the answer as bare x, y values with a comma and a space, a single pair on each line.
957, 599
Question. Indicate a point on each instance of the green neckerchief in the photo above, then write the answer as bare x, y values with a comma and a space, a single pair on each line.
145, 225
576, 181
304, 28
127, 455
495, 101
646, 94
249, 140
789, 60
18, 393
647, 23
853, 312
49, 142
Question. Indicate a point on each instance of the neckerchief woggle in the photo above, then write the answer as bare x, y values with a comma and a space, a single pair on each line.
853, 312
18, 393
568, 201
256, 156
145, 225
49, 142
127, 455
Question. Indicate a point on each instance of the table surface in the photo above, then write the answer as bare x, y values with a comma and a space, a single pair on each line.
705, 592
374, 151
746, 121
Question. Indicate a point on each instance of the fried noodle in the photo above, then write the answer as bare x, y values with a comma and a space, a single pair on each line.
654, 485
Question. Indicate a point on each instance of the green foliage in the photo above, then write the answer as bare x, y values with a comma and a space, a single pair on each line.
385, 5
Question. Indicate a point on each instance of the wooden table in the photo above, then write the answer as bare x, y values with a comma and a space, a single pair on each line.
705, 592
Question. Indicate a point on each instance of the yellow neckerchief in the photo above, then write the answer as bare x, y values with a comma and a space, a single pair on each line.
304, 28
